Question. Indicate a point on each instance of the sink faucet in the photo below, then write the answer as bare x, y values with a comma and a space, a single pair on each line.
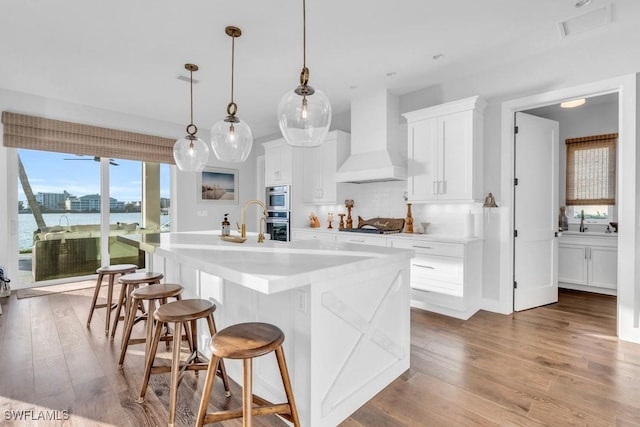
243, 221
582, 227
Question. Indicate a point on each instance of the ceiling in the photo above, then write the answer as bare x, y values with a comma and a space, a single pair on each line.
126, 56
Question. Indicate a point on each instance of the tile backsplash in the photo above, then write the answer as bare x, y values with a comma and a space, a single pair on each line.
387, 200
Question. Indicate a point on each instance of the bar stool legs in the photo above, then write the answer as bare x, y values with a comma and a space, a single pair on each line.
151, 294
246, 341
183, 313
112, 271
129, 283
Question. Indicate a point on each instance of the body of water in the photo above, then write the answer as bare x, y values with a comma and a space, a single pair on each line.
27, 223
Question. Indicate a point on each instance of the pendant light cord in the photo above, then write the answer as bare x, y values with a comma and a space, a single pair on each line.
191, 128
191, 93
304, 34
233, 55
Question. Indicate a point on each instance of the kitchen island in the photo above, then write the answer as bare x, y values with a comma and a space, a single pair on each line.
344, 309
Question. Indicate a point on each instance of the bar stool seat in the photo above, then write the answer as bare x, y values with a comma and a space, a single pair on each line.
150, 294
111, 271
246, 341
181, 313
129, 283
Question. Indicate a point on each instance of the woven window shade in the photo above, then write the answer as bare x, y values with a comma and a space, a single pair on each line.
37, 133
591, 170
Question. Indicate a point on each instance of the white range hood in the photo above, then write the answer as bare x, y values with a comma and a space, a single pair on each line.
378, 148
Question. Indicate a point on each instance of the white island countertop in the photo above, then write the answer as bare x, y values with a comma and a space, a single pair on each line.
267, 267
344, 308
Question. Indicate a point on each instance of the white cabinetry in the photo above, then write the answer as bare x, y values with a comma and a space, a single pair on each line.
445, 277
278, 163
306, 235
588, 263
320, 166
446, 274
445, 152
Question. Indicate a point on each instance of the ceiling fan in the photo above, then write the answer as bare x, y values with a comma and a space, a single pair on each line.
97, 159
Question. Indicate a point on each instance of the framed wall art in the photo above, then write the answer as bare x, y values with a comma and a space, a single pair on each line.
218, 185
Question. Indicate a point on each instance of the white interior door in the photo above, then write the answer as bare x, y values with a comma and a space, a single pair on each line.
536, 210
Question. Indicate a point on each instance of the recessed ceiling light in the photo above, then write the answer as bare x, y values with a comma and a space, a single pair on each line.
437, 56
581, 3
573, 103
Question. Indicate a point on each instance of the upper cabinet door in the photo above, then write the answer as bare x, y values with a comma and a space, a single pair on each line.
278, 159
320, 166
422, 165
455, 156
445, 152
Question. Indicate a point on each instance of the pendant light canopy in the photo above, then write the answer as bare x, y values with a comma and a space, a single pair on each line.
304, 113
190, 152
231, 138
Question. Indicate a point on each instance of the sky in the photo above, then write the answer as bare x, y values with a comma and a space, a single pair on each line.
50, 172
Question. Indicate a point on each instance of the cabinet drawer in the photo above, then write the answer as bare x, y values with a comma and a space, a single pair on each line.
306, 235
364, 240
437, 268
430, 248
439, 287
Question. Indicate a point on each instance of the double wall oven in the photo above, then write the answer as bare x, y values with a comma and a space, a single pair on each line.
277, 200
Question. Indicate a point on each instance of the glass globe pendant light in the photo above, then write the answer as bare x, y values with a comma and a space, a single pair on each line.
190, 152
304, 113
231, 138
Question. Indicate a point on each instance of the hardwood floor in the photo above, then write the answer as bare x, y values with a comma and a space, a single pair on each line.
555, 365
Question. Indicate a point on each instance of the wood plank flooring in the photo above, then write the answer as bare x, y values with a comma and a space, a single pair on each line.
558, 365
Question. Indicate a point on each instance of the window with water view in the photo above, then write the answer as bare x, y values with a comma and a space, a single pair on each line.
60, 212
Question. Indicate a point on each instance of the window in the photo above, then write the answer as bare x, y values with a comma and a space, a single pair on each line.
591, 170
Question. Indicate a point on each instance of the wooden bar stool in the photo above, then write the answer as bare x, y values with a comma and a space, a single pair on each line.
129, 283
181, 313
112, 271
246, 341
150, 294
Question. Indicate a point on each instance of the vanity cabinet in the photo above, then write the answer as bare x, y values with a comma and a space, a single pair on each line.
588, 263
445, 152
278, 163
320, 166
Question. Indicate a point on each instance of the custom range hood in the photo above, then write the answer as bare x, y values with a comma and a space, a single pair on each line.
378, 148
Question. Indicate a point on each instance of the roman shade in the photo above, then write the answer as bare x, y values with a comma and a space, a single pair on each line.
37, 133
591, 170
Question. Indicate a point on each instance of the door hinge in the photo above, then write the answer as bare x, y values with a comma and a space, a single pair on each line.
515, 233
515, 285
515, 129
515, 181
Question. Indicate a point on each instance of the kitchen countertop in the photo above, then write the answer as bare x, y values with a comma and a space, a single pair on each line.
267, 267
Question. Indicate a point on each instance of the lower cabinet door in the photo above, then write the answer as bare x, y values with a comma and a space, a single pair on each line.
603, 267
572, 261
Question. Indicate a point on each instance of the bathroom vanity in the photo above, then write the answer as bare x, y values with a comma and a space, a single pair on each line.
588, 261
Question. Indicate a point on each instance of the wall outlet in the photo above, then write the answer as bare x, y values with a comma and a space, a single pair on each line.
203, 213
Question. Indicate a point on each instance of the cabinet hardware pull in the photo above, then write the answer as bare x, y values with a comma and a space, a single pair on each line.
356, 240
424, 266
422, 247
